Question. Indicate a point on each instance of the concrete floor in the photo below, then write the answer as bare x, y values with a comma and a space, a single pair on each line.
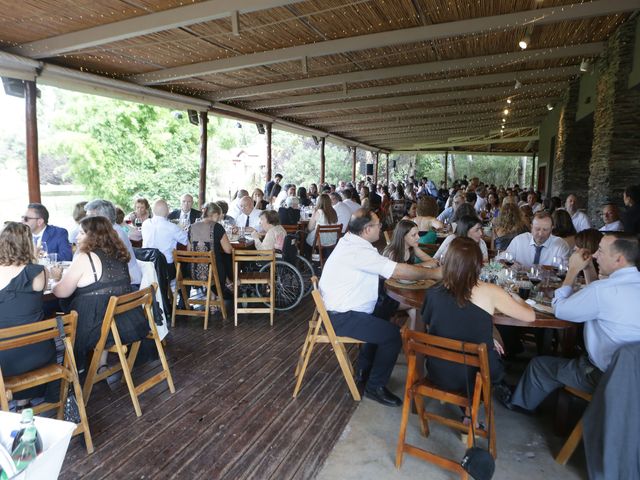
366, 449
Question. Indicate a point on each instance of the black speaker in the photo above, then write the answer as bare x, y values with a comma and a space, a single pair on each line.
260, 128
369, 168
193, 117
394, 164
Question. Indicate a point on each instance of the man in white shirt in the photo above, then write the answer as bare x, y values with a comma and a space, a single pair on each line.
158, 232
349, 288
234, 206
608, 308
481, 201
249, 217
580, 219
447, 213
347, 200
532, 201
539, 247
611, 218
343, 212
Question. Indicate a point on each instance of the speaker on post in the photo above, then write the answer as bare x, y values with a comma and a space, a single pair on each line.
260, 128
193, 117
369, 168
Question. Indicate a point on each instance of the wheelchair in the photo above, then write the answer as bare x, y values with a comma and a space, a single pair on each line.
293, 276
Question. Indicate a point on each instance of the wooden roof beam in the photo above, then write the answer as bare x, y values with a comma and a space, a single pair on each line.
541, 16
396, 146
475, 129
143, 25
428, 97
521, 75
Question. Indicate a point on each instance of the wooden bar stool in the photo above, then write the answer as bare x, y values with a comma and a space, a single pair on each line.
266, 279
183, 261
118, 305
34, 333
321, 331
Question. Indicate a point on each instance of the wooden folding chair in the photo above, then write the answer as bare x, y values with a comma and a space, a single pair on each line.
321, 247
118, 305
183, 261
470, 354
576, 434
267, 278
321, 331
33, 333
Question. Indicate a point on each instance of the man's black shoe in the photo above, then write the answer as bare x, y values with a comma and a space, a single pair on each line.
502, 393
382, 395
361, 378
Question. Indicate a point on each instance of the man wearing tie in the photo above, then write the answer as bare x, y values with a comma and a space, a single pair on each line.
539, 247
56, 239
249, 217
185, 214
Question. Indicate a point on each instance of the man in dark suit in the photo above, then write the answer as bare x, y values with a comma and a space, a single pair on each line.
185, 212
268, 188
55, 238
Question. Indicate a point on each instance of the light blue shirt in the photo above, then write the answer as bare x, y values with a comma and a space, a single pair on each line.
446, 214
609, 310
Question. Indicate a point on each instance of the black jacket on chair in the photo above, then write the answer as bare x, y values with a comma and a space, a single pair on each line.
162, 271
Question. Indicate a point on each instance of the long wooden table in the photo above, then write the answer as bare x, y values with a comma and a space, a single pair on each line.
415, 298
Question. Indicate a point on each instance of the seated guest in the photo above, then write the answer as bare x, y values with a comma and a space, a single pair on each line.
158, 232
343, 211
258, 199
508, 225
55, 239
447, 214
608, 309
364, 196
104, 208
324, 214
141, 212
461, 308
426, 220
538, 247
249, 217
98, 272
532, 201
404, 248
631, 215
22, 282
468, 226
274, 238
579, 219
589, 240
78, 214
120, 220
563, 227
206, 236
493, 206
289, 190
313, 192
347, 199
225, 208
290, 213
234, 207
527, 213
186, 214
349, 288
464, 210
305, 201
268, 188
412, 212
611, 219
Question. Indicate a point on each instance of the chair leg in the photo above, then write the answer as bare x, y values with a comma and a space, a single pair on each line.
235, 294
125, 370
303, 368
163, 359
64, 389
570, 445
207, 305
4, 401
90, 379
175, 307
345, 365
406, 405
70, 364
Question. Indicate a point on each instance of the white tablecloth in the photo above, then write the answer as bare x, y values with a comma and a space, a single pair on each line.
148, 277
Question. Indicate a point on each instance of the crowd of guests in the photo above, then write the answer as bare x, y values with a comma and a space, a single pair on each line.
482, 220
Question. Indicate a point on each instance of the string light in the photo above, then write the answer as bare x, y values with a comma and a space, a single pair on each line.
506, 111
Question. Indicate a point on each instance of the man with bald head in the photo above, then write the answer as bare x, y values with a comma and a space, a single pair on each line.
579, 218
349, 288
158, 232
186, 213
611, 219
249, 216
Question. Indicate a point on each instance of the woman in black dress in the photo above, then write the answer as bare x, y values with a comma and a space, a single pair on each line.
461, 308
21, 285
98, 272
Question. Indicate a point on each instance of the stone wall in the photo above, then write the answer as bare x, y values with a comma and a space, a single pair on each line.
573, 148
615, 156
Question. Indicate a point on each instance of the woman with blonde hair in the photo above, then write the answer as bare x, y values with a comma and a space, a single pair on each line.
506, 226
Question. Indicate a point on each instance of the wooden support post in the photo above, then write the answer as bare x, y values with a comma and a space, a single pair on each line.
387, 175
204, 121
533, 171
269, 159
322, 159
33, 167
446, 169
375, 169
353, 165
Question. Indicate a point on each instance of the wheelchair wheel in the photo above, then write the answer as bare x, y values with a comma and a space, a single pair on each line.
289, 286
306, 270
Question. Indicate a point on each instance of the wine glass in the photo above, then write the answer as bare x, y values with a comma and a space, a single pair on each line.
507, 257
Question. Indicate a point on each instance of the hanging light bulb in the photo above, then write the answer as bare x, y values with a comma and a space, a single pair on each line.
509, 101
506, 111
524, 43
504, 120
549, 107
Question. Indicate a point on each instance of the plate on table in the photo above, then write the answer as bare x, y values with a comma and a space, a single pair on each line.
406, 282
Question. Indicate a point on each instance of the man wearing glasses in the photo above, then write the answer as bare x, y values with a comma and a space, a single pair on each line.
55, 239
349, 288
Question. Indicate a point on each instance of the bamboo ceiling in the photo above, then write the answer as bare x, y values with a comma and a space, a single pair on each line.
320, 64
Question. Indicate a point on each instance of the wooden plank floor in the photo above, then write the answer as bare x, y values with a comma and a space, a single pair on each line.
232, 416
